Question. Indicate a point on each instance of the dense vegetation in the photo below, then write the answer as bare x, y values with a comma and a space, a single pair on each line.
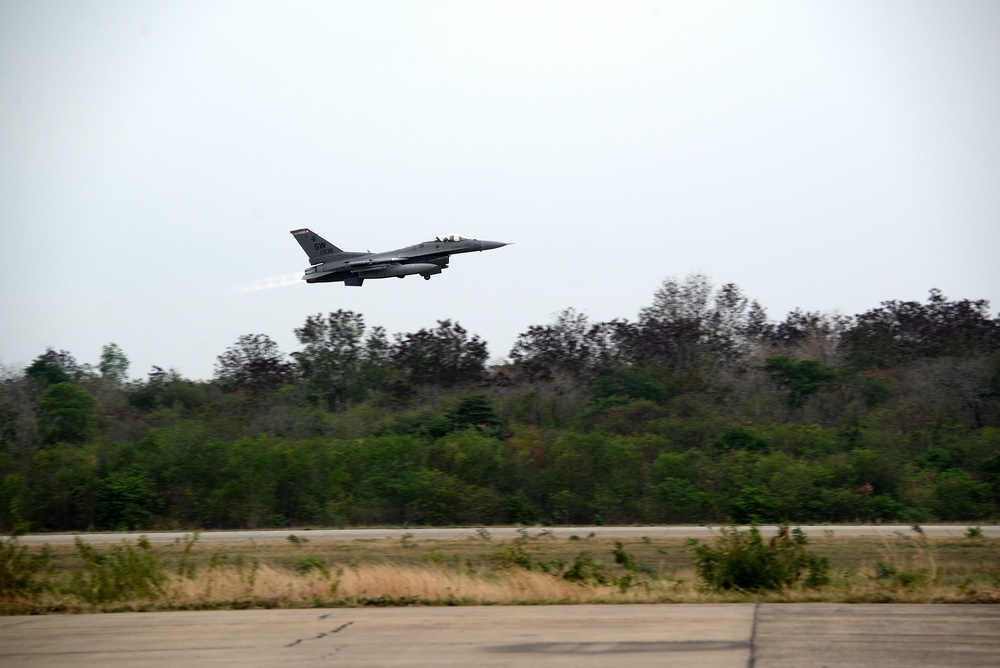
699, 410
536, 567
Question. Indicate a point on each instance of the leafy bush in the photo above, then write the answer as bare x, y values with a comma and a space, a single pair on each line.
513, 555
623, 558
585, 570
742, 560
304, 565
899, 578
128, 571
22, 573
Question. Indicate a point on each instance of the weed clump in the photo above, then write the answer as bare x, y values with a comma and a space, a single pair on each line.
743, 560
304, 565
899, 578
585, 570
916, 570
513, 555
22, 574
126, 572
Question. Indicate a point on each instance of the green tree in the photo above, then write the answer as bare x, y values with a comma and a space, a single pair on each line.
9, 419
332, 356
127, 501
61, 487
113, 365
958, 497
52, 367
690, 323
474, 410
875, 470
254, 364
839, 505
66, 413
445, 356
738, 437
625, 385
570, 346
519, 509
680, 501
756, 504
167, 389
899, 332
592, 473
801, 379
674, 465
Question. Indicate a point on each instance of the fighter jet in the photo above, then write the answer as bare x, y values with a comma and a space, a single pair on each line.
330, 264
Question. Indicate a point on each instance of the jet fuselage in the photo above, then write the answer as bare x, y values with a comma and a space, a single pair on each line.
331, 264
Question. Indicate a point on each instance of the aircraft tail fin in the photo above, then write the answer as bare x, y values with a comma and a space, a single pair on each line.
316, 247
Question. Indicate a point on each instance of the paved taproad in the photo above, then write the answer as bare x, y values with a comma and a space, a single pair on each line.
458, 533
707, 636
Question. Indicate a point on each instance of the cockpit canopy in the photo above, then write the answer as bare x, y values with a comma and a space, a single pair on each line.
450, 237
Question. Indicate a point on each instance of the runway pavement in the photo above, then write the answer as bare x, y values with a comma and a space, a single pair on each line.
318, 535
705, 635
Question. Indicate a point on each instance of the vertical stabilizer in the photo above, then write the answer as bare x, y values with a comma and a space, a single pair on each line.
316, 247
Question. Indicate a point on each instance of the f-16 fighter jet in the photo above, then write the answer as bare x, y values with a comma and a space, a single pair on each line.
330, 264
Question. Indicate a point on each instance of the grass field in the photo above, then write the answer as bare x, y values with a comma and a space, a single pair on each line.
532, 569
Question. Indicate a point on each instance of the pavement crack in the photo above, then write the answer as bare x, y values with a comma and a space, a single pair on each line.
320, 635
752, 659
341, 627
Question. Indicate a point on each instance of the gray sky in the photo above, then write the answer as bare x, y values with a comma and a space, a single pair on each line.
155, 155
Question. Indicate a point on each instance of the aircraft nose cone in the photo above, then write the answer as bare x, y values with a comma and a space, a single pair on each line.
490, 245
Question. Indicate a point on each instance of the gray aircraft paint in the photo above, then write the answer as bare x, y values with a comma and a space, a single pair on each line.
330, 264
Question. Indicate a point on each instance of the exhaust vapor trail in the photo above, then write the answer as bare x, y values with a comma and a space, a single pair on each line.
269, 283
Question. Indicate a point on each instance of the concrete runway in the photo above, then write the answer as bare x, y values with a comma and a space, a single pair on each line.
706, 636
318, 535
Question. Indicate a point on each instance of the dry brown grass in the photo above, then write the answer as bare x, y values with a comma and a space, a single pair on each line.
380, 582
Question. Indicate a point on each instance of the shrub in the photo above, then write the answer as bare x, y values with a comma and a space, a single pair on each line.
899, 578
742, 560
305, 565
127, 572
22, 573
513, 555
585, 570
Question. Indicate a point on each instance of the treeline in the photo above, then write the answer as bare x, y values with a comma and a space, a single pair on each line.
701, 409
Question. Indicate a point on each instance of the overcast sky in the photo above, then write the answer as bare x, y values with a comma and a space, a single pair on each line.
155, 155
